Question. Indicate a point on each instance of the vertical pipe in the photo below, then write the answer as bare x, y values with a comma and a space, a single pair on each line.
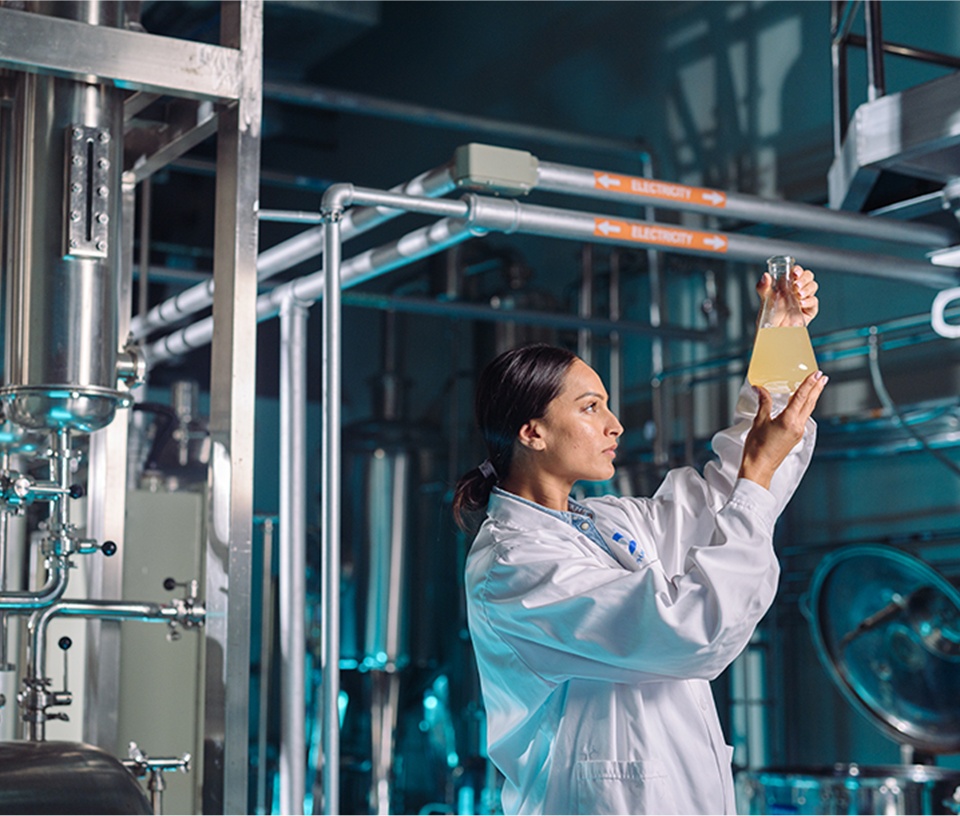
293, 553
616, 344
584, 345
661, 442
330, 536
877, 85
266, 662
838, 59
146, 205
228, 548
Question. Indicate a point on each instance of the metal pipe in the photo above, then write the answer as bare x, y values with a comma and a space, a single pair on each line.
877, 85
909, 51
334, 202
509, 216
564, 178
660, 402
293, 552
584, 346
289, 253
838, 61
146, 199
53, 588
112, 610
616, 343
35, 680
268, 599
526, 317
418, 244
361, 104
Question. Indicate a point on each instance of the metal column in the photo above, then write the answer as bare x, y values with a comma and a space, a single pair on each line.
293, 553
232, 397
330, 512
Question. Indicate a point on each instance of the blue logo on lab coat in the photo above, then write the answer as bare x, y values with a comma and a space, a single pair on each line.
631, 545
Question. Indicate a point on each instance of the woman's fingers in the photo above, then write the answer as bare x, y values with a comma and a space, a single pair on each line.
805, 398
805, 287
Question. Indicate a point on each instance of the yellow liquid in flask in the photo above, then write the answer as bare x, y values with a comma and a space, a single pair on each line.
782, 359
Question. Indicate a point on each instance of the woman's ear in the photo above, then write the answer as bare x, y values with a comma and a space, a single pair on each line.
529, 435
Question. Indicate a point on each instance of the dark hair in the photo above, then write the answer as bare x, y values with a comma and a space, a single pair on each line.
513, 389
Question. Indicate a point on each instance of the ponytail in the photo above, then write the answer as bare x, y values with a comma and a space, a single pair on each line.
472, 493
513, 389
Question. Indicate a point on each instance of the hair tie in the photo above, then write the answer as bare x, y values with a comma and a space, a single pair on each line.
487, 469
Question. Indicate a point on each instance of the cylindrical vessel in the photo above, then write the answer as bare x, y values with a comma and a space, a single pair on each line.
849, 788
64, 250
66, 777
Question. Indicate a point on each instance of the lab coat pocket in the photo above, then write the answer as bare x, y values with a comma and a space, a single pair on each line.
623, 787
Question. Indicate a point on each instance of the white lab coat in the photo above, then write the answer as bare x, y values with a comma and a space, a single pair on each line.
595, 670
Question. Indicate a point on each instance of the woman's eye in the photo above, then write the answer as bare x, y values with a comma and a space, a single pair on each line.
591, 407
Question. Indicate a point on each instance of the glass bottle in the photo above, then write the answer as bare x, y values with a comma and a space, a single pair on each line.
782, 353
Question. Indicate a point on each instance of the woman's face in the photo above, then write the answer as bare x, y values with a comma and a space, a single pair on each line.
578, 432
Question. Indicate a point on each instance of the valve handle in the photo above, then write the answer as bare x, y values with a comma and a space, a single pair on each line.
76, 491
65, 643
169, 584
108, 548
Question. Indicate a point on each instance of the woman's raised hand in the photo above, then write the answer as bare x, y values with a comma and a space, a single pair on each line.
804, 288
770, 439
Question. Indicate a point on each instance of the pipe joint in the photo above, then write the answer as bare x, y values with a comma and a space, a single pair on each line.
131, 366
485, 213
335, 200
293, 306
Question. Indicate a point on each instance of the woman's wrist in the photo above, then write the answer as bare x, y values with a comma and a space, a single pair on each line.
756, 471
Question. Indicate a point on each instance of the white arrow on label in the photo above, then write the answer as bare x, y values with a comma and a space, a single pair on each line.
608, 182
606, 227
713, 197
715, 241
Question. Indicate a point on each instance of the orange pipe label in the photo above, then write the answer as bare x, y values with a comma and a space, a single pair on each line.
651, 188
663, 236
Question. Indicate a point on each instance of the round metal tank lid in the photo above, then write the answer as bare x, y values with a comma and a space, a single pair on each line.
77, 408
887, 629
66, 777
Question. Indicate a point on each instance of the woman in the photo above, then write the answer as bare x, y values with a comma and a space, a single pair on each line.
598, 625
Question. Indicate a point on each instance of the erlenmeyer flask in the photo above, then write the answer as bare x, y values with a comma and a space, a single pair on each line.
782, 353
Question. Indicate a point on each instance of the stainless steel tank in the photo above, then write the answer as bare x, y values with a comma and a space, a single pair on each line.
66, 777
63, 264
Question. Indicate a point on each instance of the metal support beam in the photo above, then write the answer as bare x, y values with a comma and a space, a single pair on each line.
232, 399
134, 60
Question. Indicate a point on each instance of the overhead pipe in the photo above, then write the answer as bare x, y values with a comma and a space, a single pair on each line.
293, 551
295, 250
313, 96
528, 317
562, 178
412, 247
479, 214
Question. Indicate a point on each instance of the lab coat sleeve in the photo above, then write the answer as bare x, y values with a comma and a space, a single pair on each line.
721, 474
565, 614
